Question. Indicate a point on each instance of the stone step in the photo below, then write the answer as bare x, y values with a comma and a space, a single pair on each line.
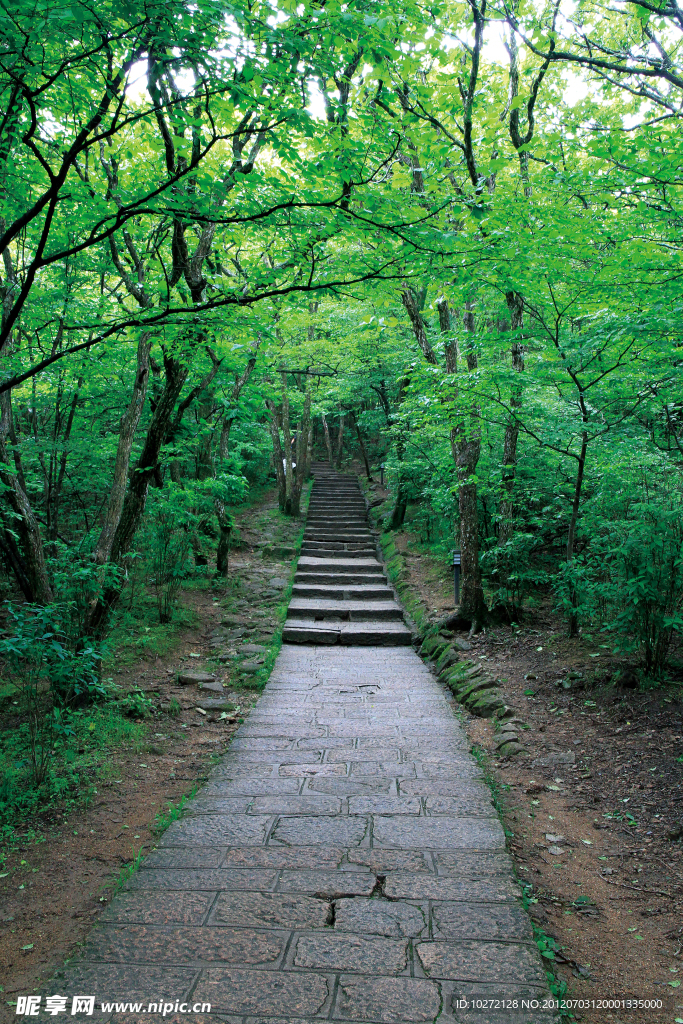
339, 578
311, 544
348, 592
336, 515
321, 533
344, 552
335, 512
345, 611
347, 634
343, 564
343, 523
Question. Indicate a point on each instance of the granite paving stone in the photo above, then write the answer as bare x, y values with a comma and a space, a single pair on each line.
387, 999
380, 917
149, 908
313, 830
213, 879
474, 921
438, 833
343, 861
141, 943
240, 991
481, 961
359, 953
271, 910
330, 884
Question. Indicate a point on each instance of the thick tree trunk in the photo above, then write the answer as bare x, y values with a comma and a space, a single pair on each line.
515, 304
33, 575
127, 430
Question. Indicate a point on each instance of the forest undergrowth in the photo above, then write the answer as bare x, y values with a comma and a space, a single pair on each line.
134, 759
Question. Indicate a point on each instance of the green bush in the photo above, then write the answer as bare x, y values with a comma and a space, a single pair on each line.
629, 578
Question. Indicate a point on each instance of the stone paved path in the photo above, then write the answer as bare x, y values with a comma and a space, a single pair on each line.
344, 862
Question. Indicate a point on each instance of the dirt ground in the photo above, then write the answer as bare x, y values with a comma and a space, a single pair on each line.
52, 890
593, 813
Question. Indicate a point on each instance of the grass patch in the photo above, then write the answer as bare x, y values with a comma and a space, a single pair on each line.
78, 758
397, 573
127, 872
137, 633
173, 812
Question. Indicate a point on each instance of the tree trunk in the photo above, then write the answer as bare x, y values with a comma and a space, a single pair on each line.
302, 455
309, 453
134, 503
328, 444
466, 446
223, 549
413, 303
450, 343
128, 427
278, 456
340, 438
287, 442
516, 306
362, 447
33, 571
398, 513
235, 393
571, 533
205, 409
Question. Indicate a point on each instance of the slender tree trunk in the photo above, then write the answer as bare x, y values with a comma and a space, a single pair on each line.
127, 430
61, 472
398, 513
466, 446
176, 373
309, 453
205, 409
34, 575
278, 456
340, 438
361, 446
223, 549
328, 444
235, 393
413, 302
571, 533
287, 442
302, 455
516, 306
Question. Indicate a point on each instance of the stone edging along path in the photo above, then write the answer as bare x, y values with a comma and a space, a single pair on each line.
344, 861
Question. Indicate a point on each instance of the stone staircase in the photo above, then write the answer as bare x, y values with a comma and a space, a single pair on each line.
340, 593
